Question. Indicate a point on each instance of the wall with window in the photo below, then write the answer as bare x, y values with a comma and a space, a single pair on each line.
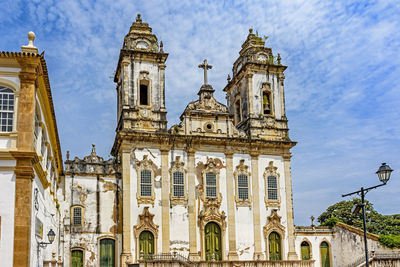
150, 159
91, 212
260, 82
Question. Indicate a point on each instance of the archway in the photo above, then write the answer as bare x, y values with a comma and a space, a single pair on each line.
213, 246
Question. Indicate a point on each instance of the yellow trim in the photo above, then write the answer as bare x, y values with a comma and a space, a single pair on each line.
83, 256
72, 215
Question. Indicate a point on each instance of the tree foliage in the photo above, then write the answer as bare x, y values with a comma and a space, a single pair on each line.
376, 222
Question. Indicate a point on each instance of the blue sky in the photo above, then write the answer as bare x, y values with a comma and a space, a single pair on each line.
342, 82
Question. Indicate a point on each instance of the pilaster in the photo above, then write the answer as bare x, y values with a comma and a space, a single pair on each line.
281, 79
162, 85
193, 253
232, 254
250, 90
289, 210
24, 173
165, 202
126, 256
258, 255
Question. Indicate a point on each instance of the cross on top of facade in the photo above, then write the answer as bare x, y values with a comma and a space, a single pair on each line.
206, 67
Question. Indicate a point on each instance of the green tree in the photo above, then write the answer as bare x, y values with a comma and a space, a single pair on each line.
376, 222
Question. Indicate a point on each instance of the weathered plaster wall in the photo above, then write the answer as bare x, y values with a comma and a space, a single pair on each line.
7, 185
98, 196
315, 240
348, 246
43, 209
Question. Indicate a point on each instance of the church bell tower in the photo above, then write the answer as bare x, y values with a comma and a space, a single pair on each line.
140, 78
255, 94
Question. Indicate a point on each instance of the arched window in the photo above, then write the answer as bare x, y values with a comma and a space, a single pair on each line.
6, 109
145, 183
76, 258
272, 187
305, 251
107, 252
325, 257
238, 112
274, 246
266, 101
77, 216
144, 93
243, 186
211, 185
178, 184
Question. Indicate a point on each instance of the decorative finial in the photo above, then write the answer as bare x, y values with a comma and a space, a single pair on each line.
312, 221
279, 59
67, 154
93, 149
138, 18
206, 67
228, 78
161, 46
30, 48
31, 38
251, 31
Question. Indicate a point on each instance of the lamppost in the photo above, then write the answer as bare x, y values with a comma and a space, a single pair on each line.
51, 236
383, 173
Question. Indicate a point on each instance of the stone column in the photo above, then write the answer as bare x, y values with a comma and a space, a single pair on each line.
24, 173
249, 79
289, 209
126, 256
232, 254
162, 84
281, 78
125, 82
165, 201
193, 254
256, 208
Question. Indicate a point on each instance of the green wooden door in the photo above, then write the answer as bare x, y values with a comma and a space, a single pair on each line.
325, 261
146, 244
77, 258
213, 242
305, 251
107, 253
274, 242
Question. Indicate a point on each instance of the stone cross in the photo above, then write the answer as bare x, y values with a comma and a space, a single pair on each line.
206, 67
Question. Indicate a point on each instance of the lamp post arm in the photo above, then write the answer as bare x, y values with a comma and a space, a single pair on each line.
365, 190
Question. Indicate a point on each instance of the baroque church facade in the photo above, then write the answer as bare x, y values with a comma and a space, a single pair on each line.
214, 189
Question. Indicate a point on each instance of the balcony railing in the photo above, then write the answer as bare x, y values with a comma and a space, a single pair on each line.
175, 259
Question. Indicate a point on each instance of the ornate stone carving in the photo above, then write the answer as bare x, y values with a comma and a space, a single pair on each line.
211, 213
210, 167
271, 170
206, 101
178, 165
145, 164
242, 169
145, 224
90, 165
274, 225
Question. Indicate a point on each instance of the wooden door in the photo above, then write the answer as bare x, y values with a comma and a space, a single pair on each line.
213, 245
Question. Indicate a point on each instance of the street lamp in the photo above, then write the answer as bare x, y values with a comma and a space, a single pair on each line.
51, 236
383, 173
